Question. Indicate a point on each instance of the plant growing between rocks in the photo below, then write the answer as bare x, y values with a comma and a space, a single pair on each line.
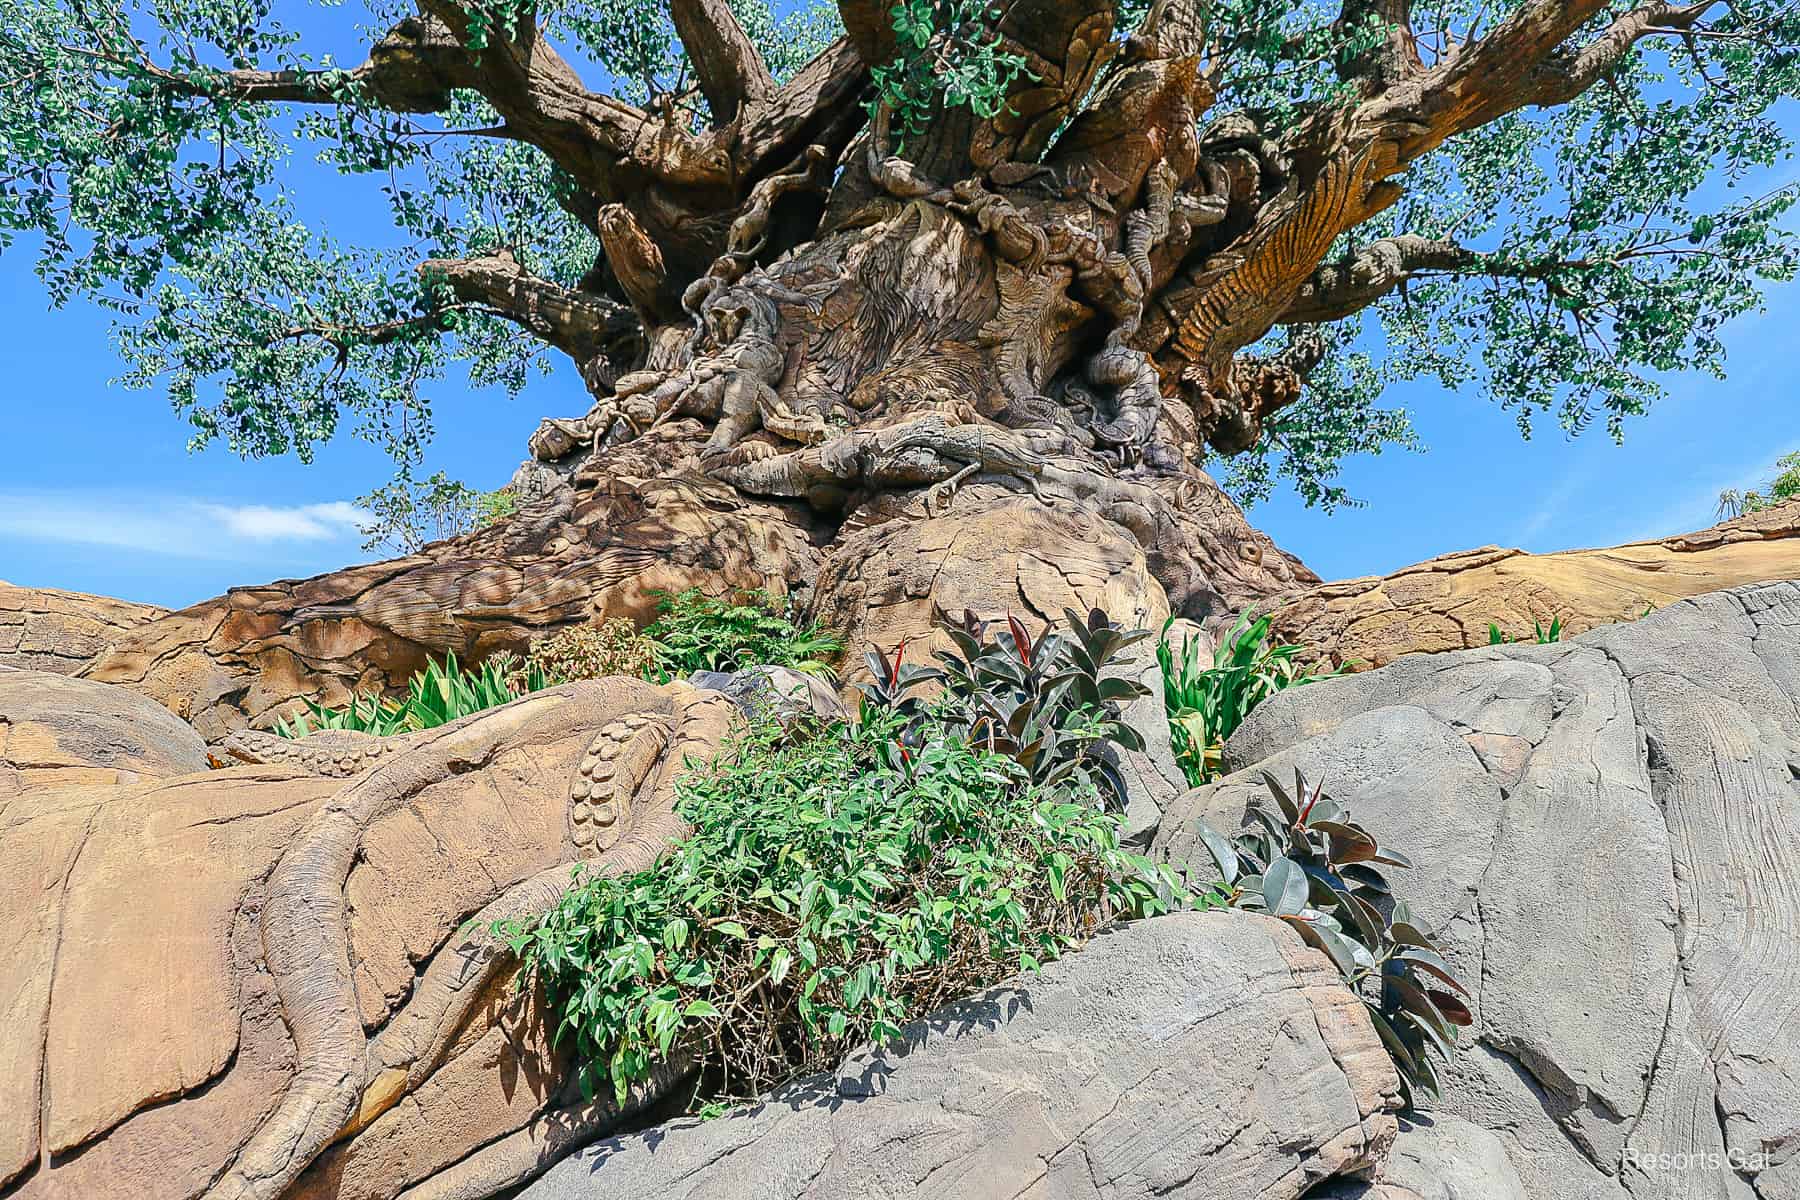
836, 884
441, 693
1207, 704
1305, 860
695, 631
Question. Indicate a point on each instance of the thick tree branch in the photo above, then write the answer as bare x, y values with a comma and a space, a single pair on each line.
1560, 80
824, 93
729, 67
412, 69
1340, 289
589, 134
579, 324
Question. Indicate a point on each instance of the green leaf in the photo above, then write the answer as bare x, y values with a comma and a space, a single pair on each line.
1285, 888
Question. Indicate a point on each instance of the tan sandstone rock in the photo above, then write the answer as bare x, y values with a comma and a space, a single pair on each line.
46, 629
262, 983
57, 732
1447, 603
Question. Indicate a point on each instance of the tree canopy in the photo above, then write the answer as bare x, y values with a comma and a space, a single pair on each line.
1555, 200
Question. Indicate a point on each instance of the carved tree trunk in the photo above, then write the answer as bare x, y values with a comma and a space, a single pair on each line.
902, 367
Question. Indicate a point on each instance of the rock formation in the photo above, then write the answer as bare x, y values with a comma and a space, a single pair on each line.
1211, 1056
602, 545
1605, 834
251, 983
1447, 603
44, 629
61, 732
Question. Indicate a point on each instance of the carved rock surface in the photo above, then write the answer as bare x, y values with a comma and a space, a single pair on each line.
1197, 1055
47, 629
58, 732
1607, 838
256, 982
880, 586
240, 658
1447, 603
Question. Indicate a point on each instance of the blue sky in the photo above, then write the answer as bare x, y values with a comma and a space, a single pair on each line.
98, 492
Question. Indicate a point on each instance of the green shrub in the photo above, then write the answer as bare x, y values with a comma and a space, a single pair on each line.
834, 887
698, 632
1206, 704
1304, 860
1048, 704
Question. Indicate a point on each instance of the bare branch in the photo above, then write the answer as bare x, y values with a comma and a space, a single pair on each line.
579, 324
727, 64
1340, 289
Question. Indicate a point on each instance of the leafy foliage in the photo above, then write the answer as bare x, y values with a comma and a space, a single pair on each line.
699, 632
949, 56
1206, 704
1784, 486
696, 632
404, 516
1305, 860
835, 886
441, 693
1048, 703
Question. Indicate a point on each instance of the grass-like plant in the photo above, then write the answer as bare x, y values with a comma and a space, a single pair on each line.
441, 693
1545, 635
695, 631
1207, 702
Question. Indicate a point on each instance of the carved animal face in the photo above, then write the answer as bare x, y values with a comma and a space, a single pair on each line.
725, 321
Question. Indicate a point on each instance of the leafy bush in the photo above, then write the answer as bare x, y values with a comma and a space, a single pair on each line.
613, 647
698, 632
1783, 487
1047, 704
1544, 636
441, 693
1304, 860
835, 886
1206, 704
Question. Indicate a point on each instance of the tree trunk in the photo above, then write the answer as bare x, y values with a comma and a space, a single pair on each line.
900, 370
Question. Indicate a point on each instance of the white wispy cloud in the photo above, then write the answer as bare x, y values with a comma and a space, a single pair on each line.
305, 523
169, 525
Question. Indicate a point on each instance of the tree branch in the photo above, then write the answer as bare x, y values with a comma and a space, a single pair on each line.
412, 69
589, 134
579, 324
1559, 81
727, 64
1340, 289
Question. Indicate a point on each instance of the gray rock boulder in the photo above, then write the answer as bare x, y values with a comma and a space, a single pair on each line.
1204, 1055
1438, 1158
1606, 835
